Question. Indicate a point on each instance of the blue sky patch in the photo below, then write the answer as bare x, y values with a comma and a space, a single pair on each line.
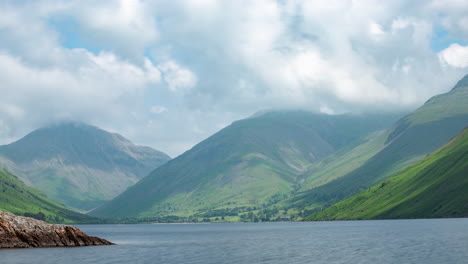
441, 39
71, 36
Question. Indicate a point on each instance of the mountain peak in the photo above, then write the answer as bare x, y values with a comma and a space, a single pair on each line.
450, 104
462, 83
66, 127
70, 139
90, 163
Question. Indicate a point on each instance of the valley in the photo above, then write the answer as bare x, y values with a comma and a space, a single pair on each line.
272, 166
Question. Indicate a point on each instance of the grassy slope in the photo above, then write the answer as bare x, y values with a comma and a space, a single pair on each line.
344, 161
436, 186
411, 138
333, 167
247, 164
18, 198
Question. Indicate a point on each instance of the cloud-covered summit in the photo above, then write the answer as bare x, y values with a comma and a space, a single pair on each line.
170, 73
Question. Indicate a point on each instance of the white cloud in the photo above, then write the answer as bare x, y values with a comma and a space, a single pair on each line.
100, 87
376, 29
211, 62
453, 15
455, 55
158, 109
126, 26
326, 110
178, 78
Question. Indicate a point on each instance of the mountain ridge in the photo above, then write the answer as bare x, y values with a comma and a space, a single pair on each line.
411, 138
436, 186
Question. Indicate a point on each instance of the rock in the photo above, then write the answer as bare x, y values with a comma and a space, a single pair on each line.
25, 232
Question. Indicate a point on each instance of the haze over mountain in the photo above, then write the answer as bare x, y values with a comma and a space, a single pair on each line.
77, 164
247, 164
436, 186
410, 139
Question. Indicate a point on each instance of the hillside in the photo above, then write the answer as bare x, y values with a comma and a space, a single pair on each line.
331, 168
20, 199
410, 139
436, 186
251, 163
79, 165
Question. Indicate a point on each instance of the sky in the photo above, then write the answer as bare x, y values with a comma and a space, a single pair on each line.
168, 74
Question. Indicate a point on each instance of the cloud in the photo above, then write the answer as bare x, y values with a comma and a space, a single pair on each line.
455, 55
158, 109
170, 73
453, 15
124, 26
178, 79
99, 87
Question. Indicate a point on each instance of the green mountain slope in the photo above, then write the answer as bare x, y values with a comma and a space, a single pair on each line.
20, 199
79, 165
410, 139
436, 186
333, 167
248, 164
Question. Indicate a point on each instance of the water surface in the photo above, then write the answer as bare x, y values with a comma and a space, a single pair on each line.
392, 241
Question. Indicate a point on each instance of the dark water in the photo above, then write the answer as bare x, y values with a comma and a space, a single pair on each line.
400, 241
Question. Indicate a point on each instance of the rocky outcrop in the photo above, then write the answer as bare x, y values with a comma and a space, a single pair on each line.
25, 232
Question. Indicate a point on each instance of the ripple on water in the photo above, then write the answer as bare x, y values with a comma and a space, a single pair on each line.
397, 241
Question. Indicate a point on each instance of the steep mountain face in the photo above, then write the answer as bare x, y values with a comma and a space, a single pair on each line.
79, 165
20, 199
247, 164
410, 139
436, 186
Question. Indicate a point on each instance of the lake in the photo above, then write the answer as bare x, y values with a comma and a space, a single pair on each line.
386, 241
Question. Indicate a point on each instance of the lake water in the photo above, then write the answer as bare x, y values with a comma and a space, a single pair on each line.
392, 241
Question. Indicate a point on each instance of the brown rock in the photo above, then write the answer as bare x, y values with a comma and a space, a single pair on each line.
25, 232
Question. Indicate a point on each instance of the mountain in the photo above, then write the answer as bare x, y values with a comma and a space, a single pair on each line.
20, 199
251, 163
407, 141
79, 165
436, 186
331, 168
